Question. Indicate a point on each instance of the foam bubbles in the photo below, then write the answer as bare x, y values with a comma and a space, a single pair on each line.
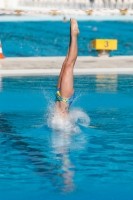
70, 124
79, 116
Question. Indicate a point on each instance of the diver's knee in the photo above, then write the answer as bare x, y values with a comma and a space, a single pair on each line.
69, 65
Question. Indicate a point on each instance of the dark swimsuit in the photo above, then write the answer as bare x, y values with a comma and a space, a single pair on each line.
65, 100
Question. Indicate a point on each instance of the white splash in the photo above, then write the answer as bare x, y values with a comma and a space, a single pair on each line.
71, 123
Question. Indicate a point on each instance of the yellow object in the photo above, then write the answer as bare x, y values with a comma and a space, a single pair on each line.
103, 44
123, 12
89, 12
18, 12
54, 12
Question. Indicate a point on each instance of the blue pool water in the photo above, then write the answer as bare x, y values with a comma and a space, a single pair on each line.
47, 38
94, 162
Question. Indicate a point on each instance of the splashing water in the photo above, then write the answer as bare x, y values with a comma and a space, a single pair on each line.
71, 124
78, 116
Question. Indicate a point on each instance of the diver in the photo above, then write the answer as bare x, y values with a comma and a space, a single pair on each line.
65, 92
64, 19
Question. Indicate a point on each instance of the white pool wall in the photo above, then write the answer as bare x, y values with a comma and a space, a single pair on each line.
6, 18
32, 66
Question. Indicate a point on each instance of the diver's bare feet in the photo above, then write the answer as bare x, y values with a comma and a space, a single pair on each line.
74, 27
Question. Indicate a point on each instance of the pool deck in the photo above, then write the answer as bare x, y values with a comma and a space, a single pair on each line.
38, 66
48, 17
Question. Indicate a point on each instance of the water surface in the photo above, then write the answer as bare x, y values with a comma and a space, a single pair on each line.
94, 163
51, 38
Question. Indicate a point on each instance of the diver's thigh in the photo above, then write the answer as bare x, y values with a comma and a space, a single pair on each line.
66, 89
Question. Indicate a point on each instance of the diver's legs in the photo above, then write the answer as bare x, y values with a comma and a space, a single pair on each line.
66, 83
71, 57
66, 86
61, 72
63, 65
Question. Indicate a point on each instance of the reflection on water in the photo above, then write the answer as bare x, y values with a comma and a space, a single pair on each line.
61, 145
94, 83
108, 82
63, 132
